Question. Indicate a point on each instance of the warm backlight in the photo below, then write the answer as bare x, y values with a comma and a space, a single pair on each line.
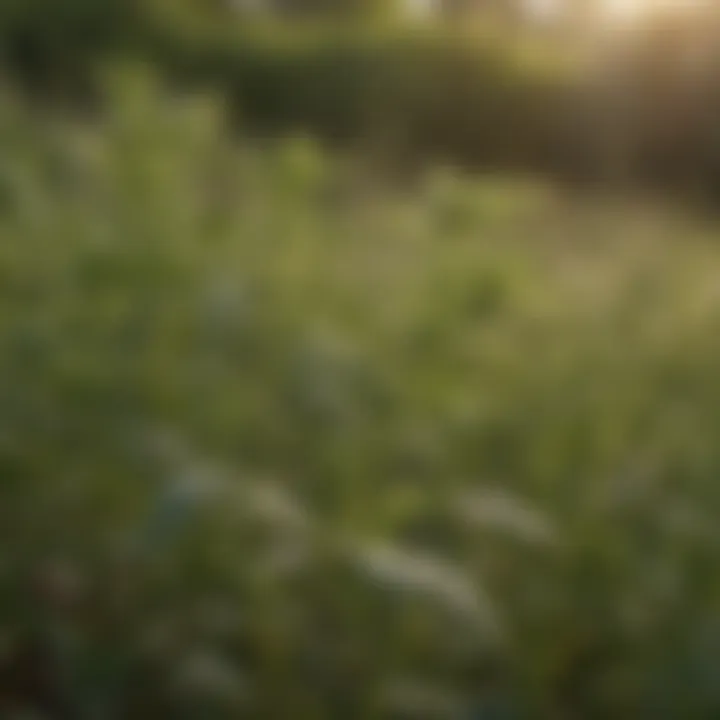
622, 10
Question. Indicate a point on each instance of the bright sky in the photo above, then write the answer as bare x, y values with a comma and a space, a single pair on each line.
637, 7
620, 9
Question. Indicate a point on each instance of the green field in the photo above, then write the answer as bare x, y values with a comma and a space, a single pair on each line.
279, 441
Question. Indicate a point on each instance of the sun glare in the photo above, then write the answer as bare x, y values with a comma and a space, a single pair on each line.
617, 10
626, 8
629, 9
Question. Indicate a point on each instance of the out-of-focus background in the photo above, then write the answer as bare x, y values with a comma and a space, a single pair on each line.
359, 359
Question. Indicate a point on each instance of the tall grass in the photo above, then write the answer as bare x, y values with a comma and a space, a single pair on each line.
274, 443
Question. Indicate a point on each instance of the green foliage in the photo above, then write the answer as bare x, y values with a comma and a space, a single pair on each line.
626, 107
405, 96
53, 42
274, 443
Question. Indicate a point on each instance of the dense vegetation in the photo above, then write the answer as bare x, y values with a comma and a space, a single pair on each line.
287, 432
634, 106
275, 442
